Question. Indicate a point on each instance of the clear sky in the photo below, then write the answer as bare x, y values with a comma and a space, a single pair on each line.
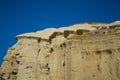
21, 16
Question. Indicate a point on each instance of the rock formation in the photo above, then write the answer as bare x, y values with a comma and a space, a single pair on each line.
86, 51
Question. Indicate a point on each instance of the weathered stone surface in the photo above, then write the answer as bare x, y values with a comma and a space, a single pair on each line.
86, 51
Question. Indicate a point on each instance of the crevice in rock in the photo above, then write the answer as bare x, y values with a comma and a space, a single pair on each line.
14, 73
98, 67
38, 52
51, 50
20, 56
17, 54
63, 45
54, 35
27, 67
67, 32
18, 62
81, 31
108, 51
114, 26
64, 64
98, 52
39, 40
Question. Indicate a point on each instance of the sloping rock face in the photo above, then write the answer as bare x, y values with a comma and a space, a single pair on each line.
87, 51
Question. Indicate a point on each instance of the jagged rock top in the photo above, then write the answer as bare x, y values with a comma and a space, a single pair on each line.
45, 34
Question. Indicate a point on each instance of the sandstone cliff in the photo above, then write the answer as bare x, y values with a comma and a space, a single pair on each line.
86, 51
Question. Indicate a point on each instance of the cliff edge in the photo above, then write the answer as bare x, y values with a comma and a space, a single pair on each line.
86, 51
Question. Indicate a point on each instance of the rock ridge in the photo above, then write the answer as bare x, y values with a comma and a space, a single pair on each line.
87, 26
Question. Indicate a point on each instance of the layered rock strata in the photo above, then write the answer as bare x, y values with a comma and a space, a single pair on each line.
86, 51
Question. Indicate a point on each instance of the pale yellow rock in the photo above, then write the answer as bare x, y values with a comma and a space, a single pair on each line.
115, 23
86, 51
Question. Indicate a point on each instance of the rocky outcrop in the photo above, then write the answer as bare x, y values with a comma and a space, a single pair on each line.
86, 51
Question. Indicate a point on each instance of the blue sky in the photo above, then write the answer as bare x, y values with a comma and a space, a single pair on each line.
21, 16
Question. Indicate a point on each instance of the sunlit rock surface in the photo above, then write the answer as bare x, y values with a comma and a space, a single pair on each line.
86, 51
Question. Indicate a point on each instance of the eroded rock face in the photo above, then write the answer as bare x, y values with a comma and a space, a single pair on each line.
87, 51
